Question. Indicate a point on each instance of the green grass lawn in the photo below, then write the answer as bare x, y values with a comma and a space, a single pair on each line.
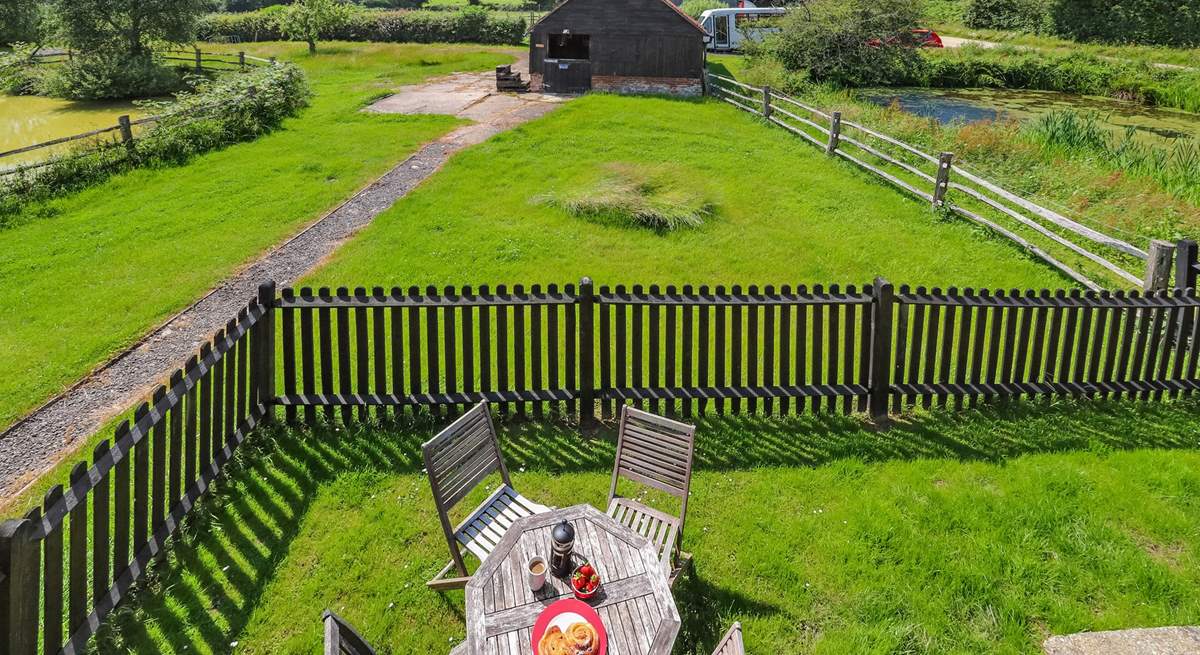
85, 275
778, 211
982, 532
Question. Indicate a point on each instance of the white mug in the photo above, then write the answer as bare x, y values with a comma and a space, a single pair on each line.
536, 580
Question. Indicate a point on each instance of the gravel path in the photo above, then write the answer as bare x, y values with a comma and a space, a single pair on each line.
55, 430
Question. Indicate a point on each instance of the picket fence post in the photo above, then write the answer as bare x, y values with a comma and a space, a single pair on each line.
881, 349
587, 357
20, 559
263, 345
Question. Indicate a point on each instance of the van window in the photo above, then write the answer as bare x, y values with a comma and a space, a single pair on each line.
721, 31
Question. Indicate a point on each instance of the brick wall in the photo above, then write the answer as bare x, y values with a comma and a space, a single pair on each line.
680, 86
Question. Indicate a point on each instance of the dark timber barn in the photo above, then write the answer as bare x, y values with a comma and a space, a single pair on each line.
626, 46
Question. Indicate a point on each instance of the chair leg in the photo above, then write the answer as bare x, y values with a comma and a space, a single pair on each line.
441, 583
685, 562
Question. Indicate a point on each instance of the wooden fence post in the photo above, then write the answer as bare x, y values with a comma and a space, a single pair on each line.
264, 350
272, 61
20, 559
766, 107
1158, 265
835, 133
242, 60
126, 131
587, 355
1185, 264
945, 161
881, 349
199, 61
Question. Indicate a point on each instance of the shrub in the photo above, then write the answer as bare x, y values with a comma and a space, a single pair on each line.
103, 75
851, 42
18, 74
694, 8
1021, 15
1164, 22
470, 25
217, 113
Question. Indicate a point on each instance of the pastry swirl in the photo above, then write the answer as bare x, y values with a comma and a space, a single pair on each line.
579, 639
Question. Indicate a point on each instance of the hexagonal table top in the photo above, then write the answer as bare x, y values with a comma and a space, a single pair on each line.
634, 600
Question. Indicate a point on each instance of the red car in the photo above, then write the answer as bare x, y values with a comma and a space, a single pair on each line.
921, 38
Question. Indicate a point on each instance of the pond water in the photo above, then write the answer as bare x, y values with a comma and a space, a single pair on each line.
26, 120
1153, 125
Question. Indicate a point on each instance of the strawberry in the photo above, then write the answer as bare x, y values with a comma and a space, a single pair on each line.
587, 570
595, 580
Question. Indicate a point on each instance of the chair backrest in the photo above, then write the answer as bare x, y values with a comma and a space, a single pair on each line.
731, 643
342, 639
461, 456
656, 452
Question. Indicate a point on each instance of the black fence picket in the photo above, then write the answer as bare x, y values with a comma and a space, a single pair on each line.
678, 350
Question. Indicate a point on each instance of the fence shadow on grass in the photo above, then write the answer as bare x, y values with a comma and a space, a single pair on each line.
217, 571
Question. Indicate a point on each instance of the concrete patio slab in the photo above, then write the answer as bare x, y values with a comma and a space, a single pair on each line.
1184, 640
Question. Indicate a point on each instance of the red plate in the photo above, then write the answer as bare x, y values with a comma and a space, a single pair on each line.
559, 612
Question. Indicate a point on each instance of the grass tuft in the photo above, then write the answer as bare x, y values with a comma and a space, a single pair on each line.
636, 195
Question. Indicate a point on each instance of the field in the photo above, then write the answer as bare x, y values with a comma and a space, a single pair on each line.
983, 532
499, 206
87, 274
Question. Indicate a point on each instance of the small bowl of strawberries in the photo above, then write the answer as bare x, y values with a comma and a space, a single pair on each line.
585, 581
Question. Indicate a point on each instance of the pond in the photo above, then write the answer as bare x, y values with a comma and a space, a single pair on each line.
26, 120
1153, 124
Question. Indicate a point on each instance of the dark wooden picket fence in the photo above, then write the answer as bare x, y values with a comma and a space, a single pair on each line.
70, 562
580, 350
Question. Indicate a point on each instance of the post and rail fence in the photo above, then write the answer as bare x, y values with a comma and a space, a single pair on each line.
973, 195
123, 133
577, 350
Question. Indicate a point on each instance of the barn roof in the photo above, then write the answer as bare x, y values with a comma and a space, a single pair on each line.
690, 21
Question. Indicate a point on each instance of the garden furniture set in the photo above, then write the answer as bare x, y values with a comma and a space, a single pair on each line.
533, 558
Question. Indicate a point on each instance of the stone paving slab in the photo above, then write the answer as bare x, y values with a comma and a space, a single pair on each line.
1142, 641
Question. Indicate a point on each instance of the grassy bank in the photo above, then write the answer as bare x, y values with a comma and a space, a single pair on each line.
984, 532
1068, 71
97, 268
1147, 54
773, 211
1088, 185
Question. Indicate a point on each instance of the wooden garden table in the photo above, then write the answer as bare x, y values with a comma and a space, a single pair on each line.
634, 600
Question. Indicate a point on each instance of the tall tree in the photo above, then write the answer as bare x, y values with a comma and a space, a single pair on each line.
21, 22
306, 20
130, 27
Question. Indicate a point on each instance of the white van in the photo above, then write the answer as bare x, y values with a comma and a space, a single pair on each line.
730, 28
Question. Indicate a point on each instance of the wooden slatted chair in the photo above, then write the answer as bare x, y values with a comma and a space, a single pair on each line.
342, 639
655, 452
731, 643
457, 460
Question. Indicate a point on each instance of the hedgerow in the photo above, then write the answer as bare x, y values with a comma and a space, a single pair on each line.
471, 25
217, 113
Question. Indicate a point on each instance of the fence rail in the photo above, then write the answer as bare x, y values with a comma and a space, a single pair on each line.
832, 135
67, 564
580, 350
125, 124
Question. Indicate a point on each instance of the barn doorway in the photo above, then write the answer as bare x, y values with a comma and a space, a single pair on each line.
567, 67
